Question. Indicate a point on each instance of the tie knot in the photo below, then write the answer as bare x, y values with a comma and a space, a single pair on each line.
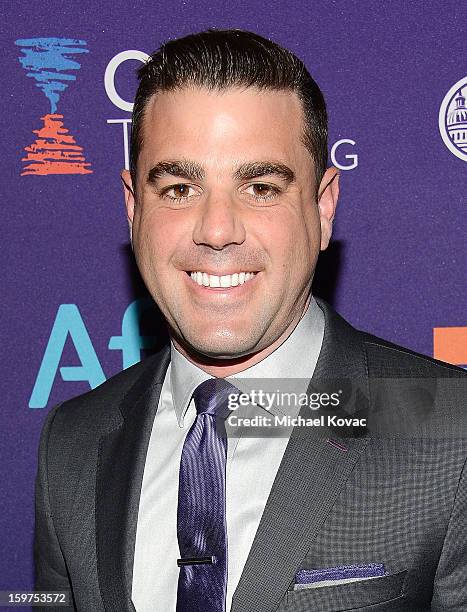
212, 397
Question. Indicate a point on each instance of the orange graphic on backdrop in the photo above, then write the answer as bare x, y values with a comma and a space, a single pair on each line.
54, 151
450, 344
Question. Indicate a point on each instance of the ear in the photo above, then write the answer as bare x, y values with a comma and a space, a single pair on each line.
328, 194
129, 195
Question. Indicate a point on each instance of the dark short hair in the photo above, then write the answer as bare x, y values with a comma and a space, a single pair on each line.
220, 59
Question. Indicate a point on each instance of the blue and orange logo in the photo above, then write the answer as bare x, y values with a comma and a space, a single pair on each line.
49, 61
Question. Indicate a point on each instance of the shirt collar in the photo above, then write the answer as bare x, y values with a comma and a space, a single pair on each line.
286, 361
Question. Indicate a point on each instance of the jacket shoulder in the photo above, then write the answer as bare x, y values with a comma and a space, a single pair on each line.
99, 408
385, 358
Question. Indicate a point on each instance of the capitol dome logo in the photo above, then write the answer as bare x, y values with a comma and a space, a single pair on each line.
453, 119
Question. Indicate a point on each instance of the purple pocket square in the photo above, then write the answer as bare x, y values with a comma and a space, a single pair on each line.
310, 576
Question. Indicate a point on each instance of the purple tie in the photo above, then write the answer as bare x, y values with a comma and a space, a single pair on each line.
201, 527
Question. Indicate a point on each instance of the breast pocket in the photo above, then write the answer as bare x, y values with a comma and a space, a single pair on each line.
360, 595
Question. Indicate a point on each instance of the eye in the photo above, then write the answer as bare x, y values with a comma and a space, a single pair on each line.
181, 191
262, 191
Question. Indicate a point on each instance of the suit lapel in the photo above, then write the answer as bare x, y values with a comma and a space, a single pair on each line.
121, 459
310, 477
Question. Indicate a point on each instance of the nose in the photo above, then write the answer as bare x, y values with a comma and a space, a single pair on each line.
219, 223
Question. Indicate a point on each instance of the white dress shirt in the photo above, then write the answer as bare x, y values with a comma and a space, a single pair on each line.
252, 464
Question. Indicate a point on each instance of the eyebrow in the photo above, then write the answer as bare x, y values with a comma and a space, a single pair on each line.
190, 170
252, 170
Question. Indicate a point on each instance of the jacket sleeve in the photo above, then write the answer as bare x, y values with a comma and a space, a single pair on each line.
450, 587
50, 567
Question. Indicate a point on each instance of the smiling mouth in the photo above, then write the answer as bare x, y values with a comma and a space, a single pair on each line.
203, 279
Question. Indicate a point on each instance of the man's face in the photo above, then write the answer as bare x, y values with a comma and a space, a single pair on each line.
225, 227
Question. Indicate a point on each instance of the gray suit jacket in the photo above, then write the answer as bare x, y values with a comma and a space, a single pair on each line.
397, 501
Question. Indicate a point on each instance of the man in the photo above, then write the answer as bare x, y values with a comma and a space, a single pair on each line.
142, 503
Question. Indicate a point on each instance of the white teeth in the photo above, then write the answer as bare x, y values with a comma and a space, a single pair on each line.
228, 280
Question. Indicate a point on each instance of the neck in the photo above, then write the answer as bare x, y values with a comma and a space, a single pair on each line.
222, 368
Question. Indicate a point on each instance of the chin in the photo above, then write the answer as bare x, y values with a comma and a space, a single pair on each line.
222, 344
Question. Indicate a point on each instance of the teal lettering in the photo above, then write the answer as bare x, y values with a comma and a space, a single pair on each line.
67, 322
131, 342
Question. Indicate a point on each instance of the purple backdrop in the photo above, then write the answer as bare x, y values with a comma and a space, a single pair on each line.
397, 265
